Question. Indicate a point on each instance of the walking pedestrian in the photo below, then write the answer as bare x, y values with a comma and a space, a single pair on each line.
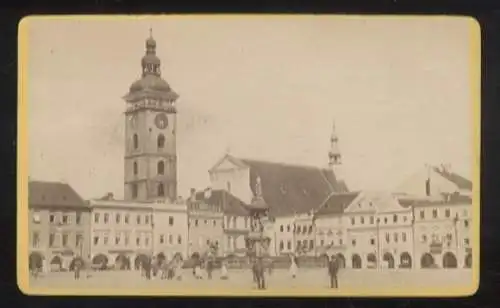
77, 266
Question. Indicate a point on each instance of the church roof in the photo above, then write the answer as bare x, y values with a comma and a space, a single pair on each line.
454, 199
336, 203
460, 181
231, 204
53, 194
289, 189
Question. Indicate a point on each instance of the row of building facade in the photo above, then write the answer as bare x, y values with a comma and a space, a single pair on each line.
424, 223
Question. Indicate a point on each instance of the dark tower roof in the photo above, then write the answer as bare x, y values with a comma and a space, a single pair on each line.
151, 84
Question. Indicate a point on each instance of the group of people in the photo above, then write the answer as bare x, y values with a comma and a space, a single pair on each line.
209, 266
161, 268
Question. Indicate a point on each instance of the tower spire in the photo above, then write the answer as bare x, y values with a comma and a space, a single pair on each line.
150, 62
334, 157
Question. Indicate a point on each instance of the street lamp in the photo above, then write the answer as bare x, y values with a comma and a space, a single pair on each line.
455, 223
378, 242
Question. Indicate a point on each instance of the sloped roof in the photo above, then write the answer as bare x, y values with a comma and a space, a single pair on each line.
291, 189
455, 199
460, 181
54, 194
230, 203
336, 203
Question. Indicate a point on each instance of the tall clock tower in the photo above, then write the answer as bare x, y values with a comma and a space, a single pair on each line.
150, 145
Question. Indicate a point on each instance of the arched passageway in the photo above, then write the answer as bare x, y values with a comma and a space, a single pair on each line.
122, 262
56, 263
389, 259
356, 261
36, 261
427, 260
100, 261
341, 259
405, 260
449, 260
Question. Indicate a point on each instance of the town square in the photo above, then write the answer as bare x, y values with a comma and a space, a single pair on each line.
197, 204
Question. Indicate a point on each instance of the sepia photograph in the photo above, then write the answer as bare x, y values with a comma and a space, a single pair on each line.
249, 155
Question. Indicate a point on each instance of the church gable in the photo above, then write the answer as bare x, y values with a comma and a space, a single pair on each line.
227, 163
363, 203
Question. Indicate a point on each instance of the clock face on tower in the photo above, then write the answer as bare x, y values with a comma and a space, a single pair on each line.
161, 120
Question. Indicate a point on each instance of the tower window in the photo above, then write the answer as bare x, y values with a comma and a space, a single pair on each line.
136, 141
161, 167
161, 141
134, 191
161, 190
136, 168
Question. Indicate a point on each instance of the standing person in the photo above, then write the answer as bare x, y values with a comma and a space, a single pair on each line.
293, 267
77, 266
197, 269
333, 268
147, 268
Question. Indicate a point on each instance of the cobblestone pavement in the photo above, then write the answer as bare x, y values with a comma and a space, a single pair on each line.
280, 279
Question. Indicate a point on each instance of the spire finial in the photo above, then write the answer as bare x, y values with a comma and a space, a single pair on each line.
150, 32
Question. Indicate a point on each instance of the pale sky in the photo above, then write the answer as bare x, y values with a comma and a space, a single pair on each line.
266, 87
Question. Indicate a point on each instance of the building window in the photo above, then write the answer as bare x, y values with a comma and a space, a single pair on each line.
65, 240
466, 241
387, 237
118, 218
146, 241
424, 238
282, 245
246, 223
466, 223
160, 167
136, 141
352, 221
126, 239
79, 240
96, 240
434, 213
206, 222
372, 241
161, 141
179, 240
117, 240
228, 186
395, 218
96, 217
162, 239
322, 242
134, 191
395, 237
138, 219
161, 190
289, 245
52, 239
138, 241
35, 242
447, 213
385, 220
52, 218
281, 228
298, 229
422, 214
136, 168
405, 218
372, 220
403, 236
214, 222
353, 242
127, 217
105, 240
170, 239
78, 218
362, 220
340, 241
171, 221
65, 219
196, 222
146, 219
106, 218
287, 228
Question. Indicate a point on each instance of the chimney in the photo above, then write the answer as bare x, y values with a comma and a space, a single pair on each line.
110, 196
